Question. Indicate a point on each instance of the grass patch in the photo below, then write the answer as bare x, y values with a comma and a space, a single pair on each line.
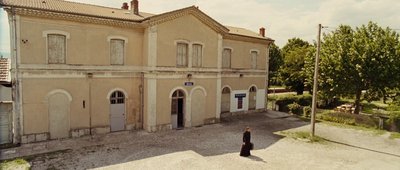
394, 135
303, 136
14, 164
372, 130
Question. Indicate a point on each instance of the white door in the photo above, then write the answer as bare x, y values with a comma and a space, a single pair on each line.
5, 116
117, 111
59, 107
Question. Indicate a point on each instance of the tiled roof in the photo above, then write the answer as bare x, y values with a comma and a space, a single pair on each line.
63, 6
5, 70
78, 8
244, 32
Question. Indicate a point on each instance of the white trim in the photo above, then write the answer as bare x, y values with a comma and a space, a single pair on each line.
198, 87
152, 46
178, 88
228, 47
252, 86
230, 88
151, 105
110, 37
117, 89
47, 32
58, 91
181, 41
255, 50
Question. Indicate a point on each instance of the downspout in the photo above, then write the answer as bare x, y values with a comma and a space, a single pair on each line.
141, 90
15, 80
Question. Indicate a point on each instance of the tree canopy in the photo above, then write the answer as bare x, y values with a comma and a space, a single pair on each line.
366, 58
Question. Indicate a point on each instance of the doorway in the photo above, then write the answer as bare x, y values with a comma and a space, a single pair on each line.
117, 111
252, 97
226, 100
177, 109
59, 116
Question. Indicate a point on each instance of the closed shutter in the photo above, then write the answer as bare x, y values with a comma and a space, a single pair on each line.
181, 54
117, 52
56, 48
226, 58
254, 59
197, 55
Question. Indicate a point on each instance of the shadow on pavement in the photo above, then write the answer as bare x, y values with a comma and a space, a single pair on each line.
208, 140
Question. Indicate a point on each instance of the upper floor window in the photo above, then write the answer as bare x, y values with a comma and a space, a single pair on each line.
117, 50
226, 58
182, 55
197, 55
56, 46
254, 55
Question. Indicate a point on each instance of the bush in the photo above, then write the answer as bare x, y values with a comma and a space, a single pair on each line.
295, 108
394, 121
307, 111
350, 119
283, 102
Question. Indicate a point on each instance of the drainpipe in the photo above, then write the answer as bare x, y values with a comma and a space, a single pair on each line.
141, 90
15, 80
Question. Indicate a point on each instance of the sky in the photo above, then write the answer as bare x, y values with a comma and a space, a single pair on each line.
283, 19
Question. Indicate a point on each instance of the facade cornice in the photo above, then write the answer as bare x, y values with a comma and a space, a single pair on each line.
248, 39
158, 19
76, 18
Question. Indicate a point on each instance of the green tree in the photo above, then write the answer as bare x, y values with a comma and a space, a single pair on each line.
366, 58
275, 61
292, 73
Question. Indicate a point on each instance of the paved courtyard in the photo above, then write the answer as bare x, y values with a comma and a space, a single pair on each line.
217, 147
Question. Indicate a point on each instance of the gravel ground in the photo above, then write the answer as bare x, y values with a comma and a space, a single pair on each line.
217, 147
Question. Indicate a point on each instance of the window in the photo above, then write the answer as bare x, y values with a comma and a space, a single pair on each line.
182, 55
117, 97
56, 46
226, 90
254, 55
226, 58
197, 55
253, 89
117, 48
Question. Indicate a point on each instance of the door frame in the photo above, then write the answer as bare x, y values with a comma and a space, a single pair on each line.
125, 105
64, 92
184, 97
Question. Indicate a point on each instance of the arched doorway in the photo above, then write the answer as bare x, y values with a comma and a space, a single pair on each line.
226, 100
252, 97
59, 115
177, 109
117, 111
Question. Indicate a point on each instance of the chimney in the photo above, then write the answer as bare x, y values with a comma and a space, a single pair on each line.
262, 31
135, 6
125, 6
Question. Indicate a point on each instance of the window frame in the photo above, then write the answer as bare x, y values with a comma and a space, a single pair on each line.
201, 54
254, 67
186, 64
46, 33
117, 37
230, 57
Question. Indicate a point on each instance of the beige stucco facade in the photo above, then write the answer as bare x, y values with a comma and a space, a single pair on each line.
144, 89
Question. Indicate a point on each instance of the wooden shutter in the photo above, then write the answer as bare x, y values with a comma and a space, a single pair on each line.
56, 48
197, 55
181, 54
254, 59
226, 58
117, 51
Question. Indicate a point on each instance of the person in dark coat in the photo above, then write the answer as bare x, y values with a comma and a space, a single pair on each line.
246, 146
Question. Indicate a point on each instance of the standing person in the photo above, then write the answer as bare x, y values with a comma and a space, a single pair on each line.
246, 146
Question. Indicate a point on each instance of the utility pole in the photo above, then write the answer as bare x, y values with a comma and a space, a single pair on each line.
315, 87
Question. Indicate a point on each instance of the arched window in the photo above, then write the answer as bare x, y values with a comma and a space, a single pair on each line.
117, 97
178, 94
226, 90
253, 89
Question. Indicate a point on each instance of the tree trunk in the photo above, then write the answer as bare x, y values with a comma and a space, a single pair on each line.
357, 102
